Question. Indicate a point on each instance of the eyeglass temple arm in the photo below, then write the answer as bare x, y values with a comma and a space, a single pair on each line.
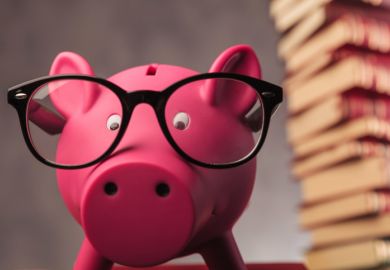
253, 120
45, 119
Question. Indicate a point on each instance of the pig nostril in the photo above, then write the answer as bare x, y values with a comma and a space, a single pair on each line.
162, 190
110, 188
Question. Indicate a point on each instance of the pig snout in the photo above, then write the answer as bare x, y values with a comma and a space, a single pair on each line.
138, 214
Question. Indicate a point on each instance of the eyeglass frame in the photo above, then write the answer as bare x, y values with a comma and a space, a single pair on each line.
20, 95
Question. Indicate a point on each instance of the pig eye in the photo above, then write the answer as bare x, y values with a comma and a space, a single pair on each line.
113, 122
181, 121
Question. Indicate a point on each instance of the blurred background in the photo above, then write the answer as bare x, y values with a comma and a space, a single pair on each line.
36, 231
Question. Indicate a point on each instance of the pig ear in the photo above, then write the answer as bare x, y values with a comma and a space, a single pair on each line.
239, 59
75, 96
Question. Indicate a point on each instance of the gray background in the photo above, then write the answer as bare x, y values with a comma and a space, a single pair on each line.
35, 229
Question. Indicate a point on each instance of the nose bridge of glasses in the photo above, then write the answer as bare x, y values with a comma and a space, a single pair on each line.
150, 97
143, 123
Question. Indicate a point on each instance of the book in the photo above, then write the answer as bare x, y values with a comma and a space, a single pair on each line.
360, 128
287, 14
309, 25
354, 72
355, 230
360, 255
319, 18
348, 207
278, 7
336, 110
336, 155
350, 29
294, 13
315, 119
326, 60
345, 179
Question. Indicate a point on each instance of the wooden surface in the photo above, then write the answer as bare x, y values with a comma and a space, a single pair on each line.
264, 266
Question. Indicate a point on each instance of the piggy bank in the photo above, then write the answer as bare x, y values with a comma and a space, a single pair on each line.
157, 161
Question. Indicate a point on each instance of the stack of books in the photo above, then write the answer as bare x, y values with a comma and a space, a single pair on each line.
337, 84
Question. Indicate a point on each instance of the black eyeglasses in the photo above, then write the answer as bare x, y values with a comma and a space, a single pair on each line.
214, 120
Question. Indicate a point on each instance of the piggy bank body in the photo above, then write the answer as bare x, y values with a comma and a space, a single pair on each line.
145, 204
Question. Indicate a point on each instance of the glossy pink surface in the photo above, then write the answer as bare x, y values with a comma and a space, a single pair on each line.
136, 226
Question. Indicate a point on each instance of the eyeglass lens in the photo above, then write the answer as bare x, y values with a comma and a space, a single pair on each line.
215, 121
72, 121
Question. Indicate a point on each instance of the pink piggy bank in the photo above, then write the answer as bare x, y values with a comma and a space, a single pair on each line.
156, 162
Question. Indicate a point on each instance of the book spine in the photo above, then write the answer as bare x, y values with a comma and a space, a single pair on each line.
375, 73
369, 32
360, 105
384, 202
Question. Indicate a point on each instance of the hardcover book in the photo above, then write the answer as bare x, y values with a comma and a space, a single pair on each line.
345, 208
336, 110
361, 255
319, 18
355, 72
368, 127
336, 155
368, 228
346, 179
350, 29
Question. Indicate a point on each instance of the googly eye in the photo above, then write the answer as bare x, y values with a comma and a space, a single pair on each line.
114, 122
181, 121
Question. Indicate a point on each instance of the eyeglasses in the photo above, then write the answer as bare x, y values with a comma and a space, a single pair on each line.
214, 120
